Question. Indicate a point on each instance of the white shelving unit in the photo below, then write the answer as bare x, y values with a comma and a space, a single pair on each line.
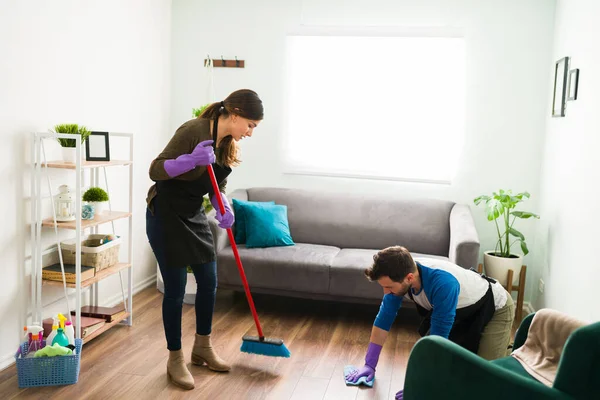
40, 166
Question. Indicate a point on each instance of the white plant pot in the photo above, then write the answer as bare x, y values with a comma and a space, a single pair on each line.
99, 207
69, 154
497, 267
190, 287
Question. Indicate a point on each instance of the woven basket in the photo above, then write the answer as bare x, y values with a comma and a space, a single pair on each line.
48, 371
100, 257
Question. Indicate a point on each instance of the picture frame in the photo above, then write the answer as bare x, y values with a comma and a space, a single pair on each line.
561, 69
97, 147
573, 84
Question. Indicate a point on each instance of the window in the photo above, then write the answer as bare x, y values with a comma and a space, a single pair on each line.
378, 107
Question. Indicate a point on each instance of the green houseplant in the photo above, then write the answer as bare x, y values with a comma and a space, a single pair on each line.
500, 208
68, 145
198, 111
97, 197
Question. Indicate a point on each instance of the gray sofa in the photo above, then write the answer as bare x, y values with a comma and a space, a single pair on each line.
336, 236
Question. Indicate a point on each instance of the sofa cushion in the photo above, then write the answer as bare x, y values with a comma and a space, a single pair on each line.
347, 276
239, 209
303, 267
363, 221
267, 226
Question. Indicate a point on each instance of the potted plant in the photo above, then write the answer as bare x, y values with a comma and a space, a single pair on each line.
501, 206
68, 145
97, 197
198, 111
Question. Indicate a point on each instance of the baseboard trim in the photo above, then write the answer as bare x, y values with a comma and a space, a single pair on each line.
6, 361
138, 287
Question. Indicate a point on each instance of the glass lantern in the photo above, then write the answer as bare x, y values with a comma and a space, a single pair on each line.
65, 204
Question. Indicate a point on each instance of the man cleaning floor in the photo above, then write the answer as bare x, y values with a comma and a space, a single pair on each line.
470, 309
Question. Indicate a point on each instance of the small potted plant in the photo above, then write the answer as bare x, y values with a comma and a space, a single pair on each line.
502, 206
97, 197
68, 145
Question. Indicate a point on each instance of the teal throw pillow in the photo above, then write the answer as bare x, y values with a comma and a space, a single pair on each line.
239, 209
267, 226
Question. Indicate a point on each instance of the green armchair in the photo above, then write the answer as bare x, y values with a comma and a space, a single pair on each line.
439, 369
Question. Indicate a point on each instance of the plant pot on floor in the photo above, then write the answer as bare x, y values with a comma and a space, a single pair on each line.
497, 267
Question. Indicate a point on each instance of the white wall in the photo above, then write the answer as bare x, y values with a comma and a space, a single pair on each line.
103, 64
568, 235
509, 56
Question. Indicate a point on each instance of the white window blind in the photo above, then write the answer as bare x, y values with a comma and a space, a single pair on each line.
375, 107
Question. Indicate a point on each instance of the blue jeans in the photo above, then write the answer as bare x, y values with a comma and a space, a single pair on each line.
175, 280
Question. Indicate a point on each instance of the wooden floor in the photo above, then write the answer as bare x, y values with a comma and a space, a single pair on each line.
130, 362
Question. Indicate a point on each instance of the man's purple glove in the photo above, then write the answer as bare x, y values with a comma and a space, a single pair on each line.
225, 220
400, 395
355, 375
368, 369
202, 155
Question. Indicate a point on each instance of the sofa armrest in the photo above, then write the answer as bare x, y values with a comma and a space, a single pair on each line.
464, 240
579, 365
220, 239
440, 369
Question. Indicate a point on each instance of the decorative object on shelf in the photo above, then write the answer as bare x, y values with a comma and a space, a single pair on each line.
97, 197
497, 262
97, 251
196, 112
68, 145
87, 211
64, 203
561, 69
97, 147
573, 84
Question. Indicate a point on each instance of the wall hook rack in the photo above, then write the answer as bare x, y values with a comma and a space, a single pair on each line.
223, 63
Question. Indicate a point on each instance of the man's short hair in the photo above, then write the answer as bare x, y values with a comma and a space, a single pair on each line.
394, 262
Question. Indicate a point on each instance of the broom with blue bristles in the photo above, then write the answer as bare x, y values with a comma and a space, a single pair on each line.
250, 344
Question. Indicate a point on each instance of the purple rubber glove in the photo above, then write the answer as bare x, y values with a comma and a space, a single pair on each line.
368, 369
400, 395
202, 155
225, 220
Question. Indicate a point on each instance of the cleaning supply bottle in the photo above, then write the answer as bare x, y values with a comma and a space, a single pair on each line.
60, 337
70, 332
52, 334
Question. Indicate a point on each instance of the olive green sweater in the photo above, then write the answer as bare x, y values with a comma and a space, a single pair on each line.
185, 140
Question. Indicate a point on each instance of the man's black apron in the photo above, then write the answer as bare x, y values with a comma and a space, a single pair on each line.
469, 322
179, 232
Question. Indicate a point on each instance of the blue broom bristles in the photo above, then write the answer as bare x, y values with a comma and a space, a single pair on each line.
265, 349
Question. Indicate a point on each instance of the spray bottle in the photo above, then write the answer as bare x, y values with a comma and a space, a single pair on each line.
60, 337
52, 334
70, 332
35, 334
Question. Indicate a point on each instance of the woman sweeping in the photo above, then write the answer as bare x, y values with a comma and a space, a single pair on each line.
177, 226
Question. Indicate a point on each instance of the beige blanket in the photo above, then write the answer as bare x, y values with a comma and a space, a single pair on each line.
544, 345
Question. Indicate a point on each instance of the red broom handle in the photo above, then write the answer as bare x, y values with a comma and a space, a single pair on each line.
215, 186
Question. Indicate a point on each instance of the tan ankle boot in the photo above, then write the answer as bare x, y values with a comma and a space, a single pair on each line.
178, 372
204, 353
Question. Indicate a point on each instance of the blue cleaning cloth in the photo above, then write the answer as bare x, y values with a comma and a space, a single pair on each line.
361, 381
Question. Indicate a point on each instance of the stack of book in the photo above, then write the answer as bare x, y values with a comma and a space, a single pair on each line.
108, 314
88, 325
54, 273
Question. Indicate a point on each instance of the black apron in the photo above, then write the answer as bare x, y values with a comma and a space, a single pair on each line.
469, 322
178, 232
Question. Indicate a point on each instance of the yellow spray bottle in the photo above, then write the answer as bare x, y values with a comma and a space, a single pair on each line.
60, 337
